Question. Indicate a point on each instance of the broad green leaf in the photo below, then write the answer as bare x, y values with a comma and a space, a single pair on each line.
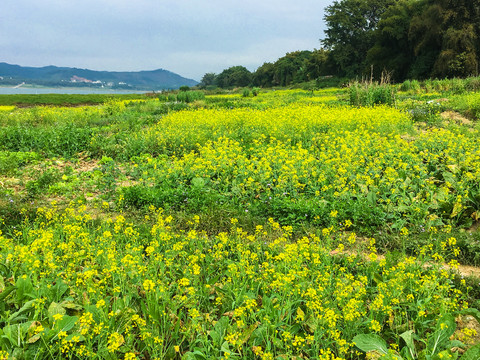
55, 309
198, 182
25, 308
445, 328
247, 333
215, 336
225, 347
34, 339
300, 313
59, 289
6, 292
407, 336
14, 334
66, 323
449, 177
24, 289
71, 305
371, 342
472, 353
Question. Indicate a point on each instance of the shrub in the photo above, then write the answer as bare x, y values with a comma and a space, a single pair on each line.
472, 84
190, 96
410, 86
11, 161
371, 94
246, 92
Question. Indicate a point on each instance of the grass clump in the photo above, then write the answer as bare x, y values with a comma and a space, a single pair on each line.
371, 94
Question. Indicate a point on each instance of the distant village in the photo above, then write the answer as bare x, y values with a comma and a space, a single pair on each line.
78, 79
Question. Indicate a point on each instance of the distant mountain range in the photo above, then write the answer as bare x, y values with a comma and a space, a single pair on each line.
65, 76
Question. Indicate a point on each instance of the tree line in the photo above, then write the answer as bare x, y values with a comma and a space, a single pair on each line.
409, 39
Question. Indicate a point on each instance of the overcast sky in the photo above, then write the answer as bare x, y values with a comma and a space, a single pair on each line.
189, 38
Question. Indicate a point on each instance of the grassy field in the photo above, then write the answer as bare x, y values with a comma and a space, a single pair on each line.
29, 100
287, 225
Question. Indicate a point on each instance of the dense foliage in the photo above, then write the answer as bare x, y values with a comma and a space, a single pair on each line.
295, 67
410, 38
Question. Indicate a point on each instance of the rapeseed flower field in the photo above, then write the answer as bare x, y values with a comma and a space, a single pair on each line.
283, 226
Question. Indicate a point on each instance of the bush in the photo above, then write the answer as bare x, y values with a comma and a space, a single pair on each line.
371, 94
246, 92
472, 84
11, 161
190, 96
42, 182
410, 86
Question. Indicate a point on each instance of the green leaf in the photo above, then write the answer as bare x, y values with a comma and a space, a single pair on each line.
198, 182
6, 292
14, 334
445, 328
472, 353
225, 347
371, 342
247, 333
66, 323
25, 308
457, 208
55, 309
70, 305
58, 290
34, 339
24, 289
407, 336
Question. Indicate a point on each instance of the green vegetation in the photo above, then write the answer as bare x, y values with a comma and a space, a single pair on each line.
371, 94
246, 224
64, 99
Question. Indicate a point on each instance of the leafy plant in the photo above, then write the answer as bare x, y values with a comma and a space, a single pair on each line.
438, 344
371, 94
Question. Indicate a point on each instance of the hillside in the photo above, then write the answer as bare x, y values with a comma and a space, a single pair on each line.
66, 76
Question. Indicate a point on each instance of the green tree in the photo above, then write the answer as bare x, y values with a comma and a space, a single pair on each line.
393, 51
291, 68
460, 46
426, 33
234, 76
350, 32
446, 35
263, 76
318, 64
207, 80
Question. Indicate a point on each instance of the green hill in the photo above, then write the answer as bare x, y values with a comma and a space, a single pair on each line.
66, 76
